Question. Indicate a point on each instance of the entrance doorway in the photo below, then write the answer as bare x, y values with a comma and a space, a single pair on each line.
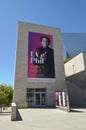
36, 97
40, 98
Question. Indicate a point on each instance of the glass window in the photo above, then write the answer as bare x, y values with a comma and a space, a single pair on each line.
40, 90
30, 89
30, 96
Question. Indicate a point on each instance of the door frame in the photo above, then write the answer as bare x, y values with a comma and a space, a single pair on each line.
40, 93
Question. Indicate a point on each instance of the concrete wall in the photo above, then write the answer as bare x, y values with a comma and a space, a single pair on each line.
75, 65
14, 112
21, 82
76, 80
84, 55
76, 97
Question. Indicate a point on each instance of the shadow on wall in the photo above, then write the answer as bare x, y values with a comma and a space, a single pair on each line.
76, 85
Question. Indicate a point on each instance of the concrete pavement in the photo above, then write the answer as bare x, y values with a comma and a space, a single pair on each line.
45, 119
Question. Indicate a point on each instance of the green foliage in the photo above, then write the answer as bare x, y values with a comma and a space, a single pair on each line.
67, 59
6, 94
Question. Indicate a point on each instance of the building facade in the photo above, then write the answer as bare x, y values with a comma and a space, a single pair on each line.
39, 69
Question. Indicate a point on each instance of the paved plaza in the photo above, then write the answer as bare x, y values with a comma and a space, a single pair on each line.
44, 119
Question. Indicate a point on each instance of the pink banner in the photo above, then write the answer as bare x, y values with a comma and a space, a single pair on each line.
40, 56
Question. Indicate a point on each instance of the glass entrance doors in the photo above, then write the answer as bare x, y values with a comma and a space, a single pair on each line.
36, 97
40, 98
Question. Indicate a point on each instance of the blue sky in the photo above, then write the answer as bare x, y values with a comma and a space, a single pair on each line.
69, 15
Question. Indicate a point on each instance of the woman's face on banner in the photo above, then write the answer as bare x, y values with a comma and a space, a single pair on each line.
44, 42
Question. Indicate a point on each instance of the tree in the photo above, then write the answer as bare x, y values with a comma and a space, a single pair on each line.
6, 95
66, 60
